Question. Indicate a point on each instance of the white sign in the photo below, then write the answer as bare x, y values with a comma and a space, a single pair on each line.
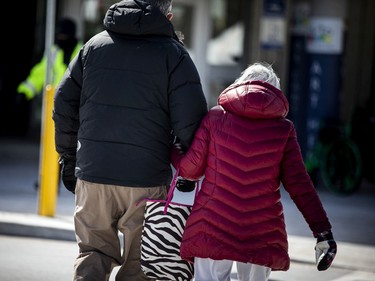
272, 32
325, 36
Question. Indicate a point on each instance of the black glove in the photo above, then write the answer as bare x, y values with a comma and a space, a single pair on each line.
68, 165
184, 185
20, 99
325, 250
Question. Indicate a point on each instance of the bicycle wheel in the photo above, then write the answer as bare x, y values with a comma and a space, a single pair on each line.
341, 169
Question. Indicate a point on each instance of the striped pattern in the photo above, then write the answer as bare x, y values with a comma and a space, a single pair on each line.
161, 239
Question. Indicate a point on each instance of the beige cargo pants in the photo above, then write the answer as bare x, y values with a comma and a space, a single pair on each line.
101, 212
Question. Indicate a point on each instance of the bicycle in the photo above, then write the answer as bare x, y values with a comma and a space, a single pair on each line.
336, 160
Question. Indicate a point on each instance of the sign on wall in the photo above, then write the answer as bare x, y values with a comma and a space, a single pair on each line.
273, 24
325, 36
325, 48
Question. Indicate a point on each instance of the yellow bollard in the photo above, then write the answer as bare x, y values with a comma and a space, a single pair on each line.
48, 166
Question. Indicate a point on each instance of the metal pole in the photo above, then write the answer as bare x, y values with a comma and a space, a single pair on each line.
50, 30
48, 160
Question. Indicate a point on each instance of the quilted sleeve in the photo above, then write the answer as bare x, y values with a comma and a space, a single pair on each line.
298, 184
66, 109
193, 163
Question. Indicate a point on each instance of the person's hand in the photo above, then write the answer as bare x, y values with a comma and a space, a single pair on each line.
325, 250
178, 147
20, 99
68, 165
184, 185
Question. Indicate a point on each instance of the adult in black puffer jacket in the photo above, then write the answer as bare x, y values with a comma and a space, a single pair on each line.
131, 89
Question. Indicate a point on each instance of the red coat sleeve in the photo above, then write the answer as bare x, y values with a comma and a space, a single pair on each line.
298, 184
193, 164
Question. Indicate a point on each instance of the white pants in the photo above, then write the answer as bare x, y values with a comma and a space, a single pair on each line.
220, 270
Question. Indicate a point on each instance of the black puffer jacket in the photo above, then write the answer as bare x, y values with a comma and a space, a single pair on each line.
121, 97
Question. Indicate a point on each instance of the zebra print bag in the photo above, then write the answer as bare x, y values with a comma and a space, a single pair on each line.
163, 227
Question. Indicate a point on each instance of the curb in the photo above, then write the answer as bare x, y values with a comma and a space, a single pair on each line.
14, 229
301, 249
30, 225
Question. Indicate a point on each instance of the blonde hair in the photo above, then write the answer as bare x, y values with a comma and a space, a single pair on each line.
260, 71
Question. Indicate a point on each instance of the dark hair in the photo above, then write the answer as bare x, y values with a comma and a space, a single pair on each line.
66, 26
163, 5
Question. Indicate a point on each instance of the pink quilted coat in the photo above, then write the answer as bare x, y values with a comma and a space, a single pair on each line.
247, 150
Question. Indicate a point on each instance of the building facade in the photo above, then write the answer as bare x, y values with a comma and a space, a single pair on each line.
324, 51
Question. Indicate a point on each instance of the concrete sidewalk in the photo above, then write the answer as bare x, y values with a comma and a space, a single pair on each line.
352, 217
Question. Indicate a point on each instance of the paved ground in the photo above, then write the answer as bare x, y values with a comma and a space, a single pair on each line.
353, 217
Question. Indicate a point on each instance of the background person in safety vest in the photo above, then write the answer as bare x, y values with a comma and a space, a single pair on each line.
65, 48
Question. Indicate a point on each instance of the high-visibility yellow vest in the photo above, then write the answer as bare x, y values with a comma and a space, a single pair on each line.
33, 85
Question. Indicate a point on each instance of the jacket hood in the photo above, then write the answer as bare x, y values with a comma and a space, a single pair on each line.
135, 17
254, 99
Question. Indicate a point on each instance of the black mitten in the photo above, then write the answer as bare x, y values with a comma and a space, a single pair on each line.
325, 250
68, 165
184, 185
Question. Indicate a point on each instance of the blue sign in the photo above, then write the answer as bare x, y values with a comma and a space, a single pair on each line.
323, 94
274, 7
298, 88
